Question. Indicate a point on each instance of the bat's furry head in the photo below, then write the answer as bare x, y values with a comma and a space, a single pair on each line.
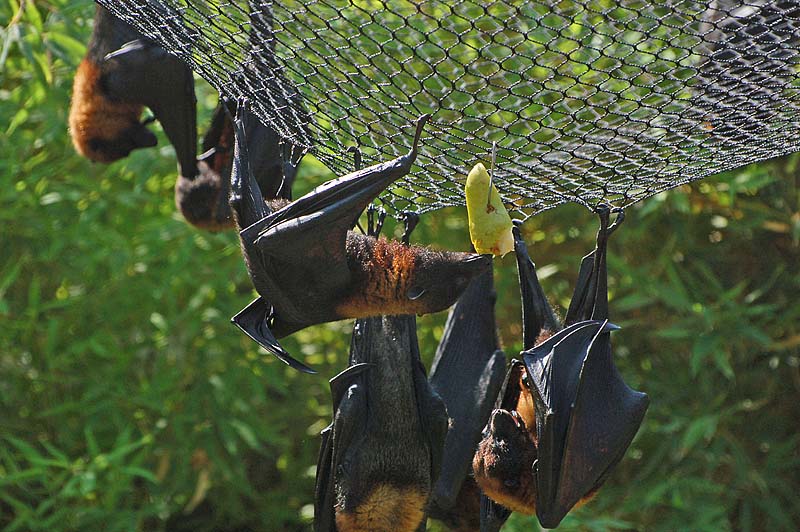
503, 463
395, 278
104, 130
199, 200
440, 277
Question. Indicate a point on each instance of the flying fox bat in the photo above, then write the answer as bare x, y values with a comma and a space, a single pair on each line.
565, 416
380, 456
467, 372
122, 72
204, 199
308, 268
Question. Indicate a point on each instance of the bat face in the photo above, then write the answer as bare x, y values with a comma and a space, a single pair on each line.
504, 462
440, 278
103, 130
122, 72
203, 200
394, 278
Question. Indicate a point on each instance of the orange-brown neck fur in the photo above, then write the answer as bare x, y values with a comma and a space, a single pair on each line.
387, 271
544, 334
386, 509
525, 407
95, 116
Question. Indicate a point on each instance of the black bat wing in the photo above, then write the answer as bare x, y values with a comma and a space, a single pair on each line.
247, 202
142, 71
217, 143
590, 298
606, 416
467, 372
349, 412
253, 320
432, 410
585, 415
248, 206
537, 314
314, 227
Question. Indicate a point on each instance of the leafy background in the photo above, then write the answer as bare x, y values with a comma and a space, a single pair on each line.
129, 402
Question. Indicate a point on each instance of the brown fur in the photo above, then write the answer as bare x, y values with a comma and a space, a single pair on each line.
199, 200
526, 409
489, 462
521, 498
94, 116
543, 336
387, 270
386, 509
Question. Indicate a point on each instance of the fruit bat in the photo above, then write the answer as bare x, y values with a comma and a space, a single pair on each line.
380, 456
122, 72
308, 268
467, 372
204, 199
565, 417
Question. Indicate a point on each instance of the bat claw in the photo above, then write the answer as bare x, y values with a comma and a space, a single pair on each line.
374, 227
356, 151
254, 320
421, 121
617, 221
410, 221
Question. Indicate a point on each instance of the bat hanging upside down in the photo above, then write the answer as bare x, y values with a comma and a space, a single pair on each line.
309, 268
204, 199
467, 372
122, 72
381, 455
565, 416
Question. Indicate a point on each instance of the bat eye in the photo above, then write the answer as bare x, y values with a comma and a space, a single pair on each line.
340, 470
415, 292
511, 483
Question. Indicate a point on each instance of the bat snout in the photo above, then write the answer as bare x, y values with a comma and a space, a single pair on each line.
478, 263
506, 423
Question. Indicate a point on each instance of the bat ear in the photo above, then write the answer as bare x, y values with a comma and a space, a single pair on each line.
415, 292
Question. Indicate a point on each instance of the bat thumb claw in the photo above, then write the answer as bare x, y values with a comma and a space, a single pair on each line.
421, 121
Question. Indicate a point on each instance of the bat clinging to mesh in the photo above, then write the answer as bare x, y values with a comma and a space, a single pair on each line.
122, 72
308, 268
565, 416
467, 373
204, 199
380, 456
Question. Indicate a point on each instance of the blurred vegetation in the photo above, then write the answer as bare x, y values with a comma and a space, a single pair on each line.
129, 402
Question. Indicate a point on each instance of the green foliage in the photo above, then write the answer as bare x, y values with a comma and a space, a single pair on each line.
129, 402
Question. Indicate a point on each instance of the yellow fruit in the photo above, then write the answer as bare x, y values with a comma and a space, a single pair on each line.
489, 223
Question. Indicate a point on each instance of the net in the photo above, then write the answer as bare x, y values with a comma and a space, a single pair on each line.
588, 100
